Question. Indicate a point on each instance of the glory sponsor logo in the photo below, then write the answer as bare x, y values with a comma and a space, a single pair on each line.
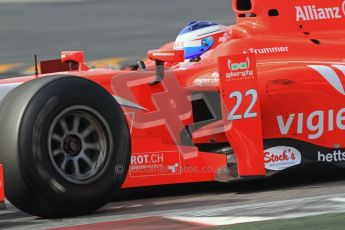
281, 157
239, 69
336, 155
313, 13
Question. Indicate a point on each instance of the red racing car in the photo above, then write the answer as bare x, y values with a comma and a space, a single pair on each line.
220, 103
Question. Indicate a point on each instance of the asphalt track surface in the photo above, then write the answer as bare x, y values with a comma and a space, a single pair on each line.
123, 30
292, 194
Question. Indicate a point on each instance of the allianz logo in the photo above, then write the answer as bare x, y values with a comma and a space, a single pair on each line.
314, 13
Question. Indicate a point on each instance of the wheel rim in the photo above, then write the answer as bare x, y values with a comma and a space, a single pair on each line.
79, 144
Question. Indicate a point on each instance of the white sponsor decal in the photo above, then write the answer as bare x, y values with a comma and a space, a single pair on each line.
314, 123
251, 93
173, 168
182, 44
240, 69
337, 155
281, 157
314, 13
147, 159
163, 54
280, 49
317, 122
128, 103
155, 164
330, 75
207, 80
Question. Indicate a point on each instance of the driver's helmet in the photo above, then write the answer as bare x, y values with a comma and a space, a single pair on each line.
199, 37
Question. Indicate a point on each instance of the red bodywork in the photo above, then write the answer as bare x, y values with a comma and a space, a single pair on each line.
277, 90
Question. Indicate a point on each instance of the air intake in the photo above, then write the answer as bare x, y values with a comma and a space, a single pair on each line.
244, 5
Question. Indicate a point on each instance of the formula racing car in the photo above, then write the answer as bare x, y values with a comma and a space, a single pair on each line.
220, 103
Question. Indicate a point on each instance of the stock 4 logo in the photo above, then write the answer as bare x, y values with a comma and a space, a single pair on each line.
281, 157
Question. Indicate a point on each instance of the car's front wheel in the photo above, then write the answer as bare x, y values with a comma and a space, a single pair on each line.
65, 146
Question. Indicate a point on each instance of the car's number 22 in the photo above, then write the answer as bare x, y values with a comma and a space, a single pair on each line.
239, 98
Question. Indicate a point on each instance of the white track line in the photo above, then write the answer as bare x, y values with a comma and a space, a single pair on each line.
218, 221
337, 199
135, 206
214, 215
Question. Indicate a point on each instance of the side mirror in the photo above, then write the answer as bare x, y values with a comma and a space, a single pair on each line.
162, 56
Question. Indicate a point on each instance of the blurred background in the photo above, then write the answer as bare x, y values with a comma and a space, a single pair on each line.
107, 30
